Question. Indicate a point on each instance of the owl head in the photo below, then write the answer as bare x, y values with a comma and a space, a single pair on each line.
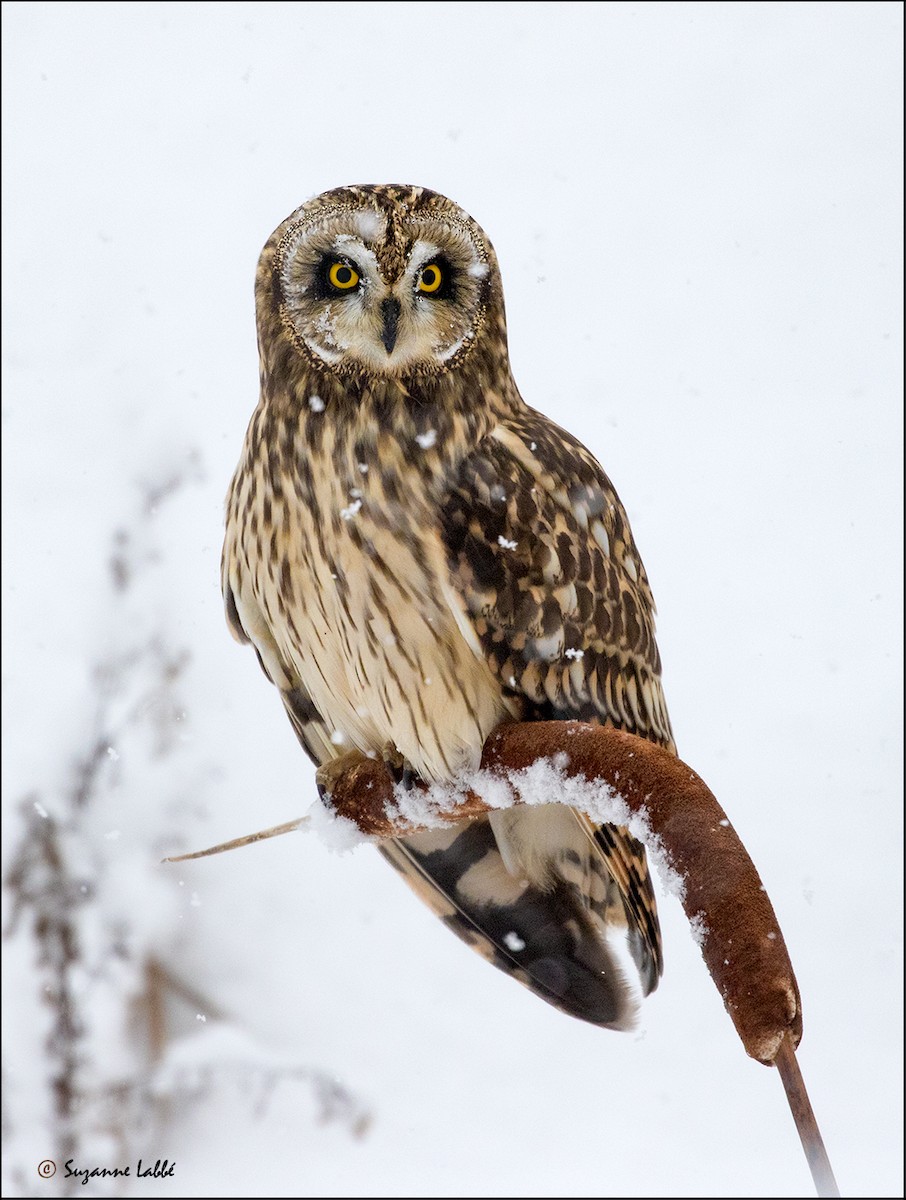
380, 280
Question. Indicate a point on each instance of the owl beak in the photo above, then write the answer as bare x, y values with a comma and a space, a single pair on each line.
390, 311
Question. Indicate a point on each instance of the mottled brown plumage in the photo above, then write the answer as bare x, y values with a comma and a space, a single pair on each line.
416, 556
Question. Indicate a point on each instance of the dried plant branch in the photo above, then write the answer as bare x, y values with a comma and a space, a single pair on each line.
41, 885
247, 840
57, 873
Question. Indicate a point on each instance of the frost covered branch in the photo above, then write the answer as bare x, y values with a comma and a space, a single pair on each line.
89, 958
112, 1057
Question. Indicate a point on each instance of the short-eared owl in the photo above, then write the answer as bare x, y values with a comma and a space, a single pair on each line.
416, 555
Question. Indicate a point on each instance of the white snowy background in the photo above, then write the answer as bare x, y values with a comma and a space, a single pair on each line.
697, 213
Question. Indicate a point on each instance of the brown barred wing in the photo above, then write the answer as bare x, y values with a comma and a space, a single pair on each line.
543, 558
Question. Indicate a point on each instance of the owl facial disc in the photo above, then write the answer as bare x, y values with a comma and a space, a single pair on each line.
368, 291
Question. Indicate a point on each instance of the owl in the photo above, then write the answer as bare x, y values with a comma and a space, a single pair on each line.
416, 555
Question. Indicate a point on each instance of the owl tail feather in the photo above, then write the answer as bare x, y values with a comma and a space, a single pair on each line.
513, 895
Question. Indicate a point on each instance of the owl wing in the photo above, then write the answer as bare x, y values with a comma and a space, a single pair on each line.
543, 559
543, 556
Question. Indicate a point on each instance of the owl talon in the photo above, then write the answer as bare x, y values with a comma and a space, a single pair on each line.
405, 778
402, 772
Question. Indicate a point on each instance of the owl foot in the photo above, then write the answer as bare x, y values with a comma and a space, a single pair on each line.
328, 773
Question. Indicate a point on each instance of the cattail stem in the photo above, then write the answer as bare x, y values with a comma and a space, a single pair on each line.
809, 1133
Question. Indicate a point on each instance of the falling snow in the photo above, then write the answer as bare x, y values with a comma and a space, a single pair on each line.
293, 945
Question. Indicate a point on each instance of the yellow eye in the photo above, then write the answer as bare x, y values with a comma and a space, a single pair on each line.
342, 276
430, 278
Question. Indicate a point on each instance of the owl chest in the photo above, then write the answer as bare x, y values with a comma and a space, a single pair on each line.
365, 612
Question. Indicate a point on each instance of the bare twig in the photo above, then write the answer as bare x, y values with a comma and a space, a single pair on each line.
247, 840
